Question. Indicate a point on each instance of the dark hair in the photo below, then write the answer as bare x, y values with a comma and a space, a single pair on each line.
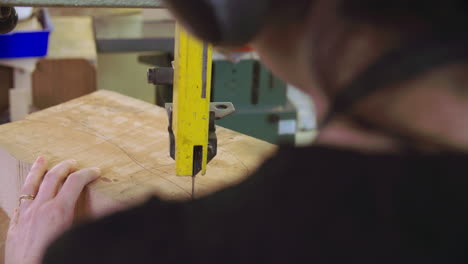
444, 15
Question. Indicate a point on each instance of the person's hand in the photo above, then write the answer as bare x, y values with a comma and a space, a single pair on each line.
36, 223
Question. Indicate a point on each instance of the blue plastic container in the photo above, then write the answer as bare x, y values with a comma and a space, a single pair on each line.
27, 44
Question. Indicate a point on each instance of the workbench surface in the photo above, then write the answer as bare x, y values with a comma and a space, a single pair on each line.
128, 140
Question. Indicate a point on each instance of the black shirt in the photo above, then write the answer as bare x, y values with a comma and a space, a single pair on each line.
314, 205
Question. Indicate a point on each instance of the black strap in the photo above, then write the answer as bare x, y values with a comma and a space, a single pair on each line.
399, 65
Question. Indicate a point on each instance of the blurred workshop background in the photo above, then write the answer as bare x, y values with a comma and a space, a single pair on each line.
90, 49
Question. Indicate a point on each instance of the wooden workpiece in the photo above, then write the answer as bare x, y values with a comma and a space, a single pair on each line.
128, 140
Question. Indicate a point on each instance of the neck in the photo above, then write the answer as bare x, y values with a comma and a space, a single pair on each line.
429, 110
344, 134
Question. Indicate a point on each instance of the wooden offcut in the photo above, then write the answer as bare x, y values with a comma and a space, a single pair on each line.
128, 140
69, 70
60, 80
6, 82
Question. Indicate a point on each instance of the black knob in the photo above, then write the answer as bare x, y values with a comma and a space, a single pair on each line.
8, 19
161, 76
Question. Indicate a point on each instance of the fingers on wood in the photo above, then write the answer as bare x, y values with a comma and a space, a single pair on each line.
35, 176
54, 179
75, 184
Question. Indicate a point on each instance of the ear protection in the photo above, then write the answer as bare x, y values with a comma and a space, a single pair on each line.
222, 22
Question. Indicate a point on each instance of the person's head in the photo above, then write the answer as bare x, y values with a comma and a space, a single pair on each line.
325, 46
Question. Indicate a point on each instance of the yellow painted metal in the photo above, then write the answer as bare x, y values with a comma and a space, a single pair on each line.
191, 100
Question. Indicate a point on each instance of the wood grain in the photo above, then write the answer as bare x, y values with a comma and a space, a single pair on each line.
128, 140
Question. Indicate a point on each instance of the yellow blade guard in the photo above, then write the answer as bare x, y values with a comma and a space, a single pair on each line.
191, 103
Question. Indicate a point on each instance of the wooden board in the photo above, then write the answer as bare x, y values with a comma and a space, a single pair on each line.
59, 80
69, 70
72, 37
128, 140
6, 83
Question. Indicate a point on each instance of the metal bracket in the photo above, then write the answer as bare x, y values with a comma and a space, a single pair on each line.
222, 109
218, 111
